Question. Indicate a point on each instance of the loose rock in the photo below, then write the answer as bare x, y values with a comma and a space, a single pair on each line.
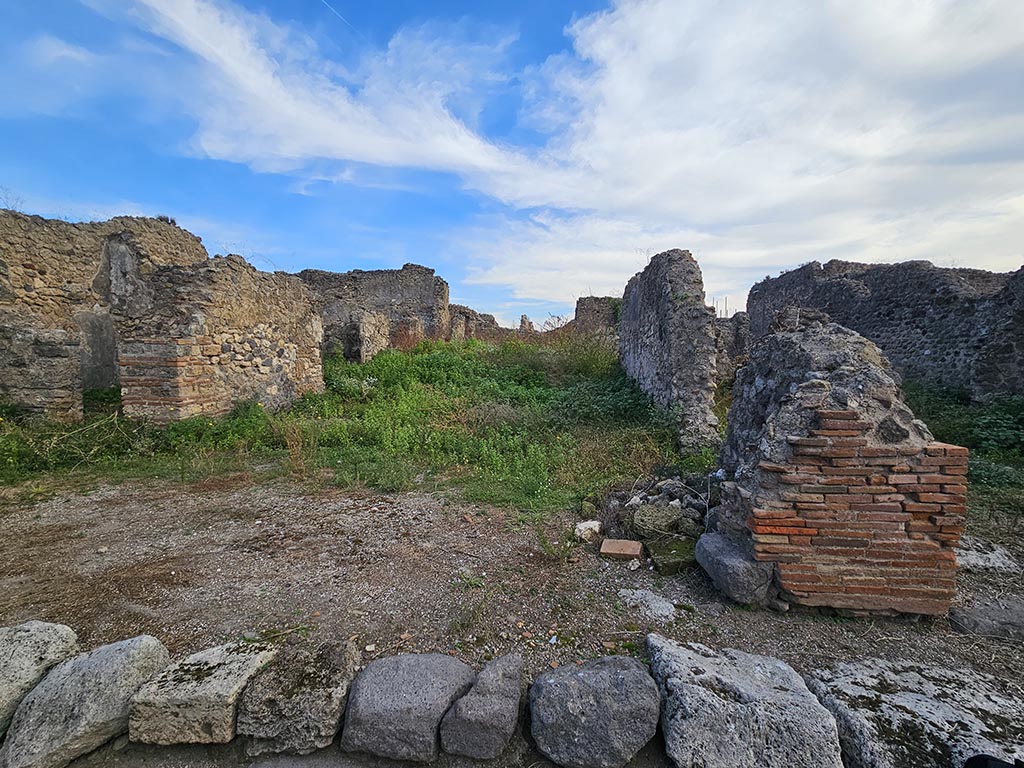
894, 715
396, 705
588, 531
27, 651
195, 701
81, 704
296, 702
598, 715
991, 617
976, 554
650, 606
670, 556
740, 710
481, 723
735, 573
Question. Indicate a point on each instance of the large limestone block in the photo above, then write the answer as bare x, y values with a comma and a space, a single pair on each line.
735, 573
295, 704
598, 715
908, 715
396, 705
27, 651
481, 723
195, 701
738, 709
81, 704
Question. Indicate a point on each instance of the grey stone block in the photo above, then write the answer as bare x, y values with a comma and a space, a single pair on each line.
27, 651
481, 723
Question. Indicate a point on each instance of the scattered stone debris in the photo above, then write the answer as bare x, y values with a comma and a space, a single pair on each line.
899, 714
396, 705
650, 606
27, 652
588, 531
622, 549
81, 704
480, 725
195, 701
296, 702
992, 616
598, 715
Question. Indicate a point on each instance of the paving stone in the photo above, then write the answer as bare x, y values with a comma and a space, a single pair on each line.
598, 715
396, 705
195, 701
296, 702
27, 651
739, 710
81, 704
904, 714
481, 723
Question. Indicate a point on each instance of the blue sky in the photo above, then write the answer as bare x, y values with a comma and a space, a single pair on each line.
530, 152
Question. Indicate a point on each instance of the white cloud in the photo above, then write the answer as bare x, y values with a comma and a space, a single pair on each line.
759, 135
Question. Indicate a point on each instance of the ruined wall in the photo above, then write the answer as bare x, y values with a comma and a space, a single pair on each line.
667, 343
367, 311
197, 340
467, 323
732, 344
597, 315
958, 328
55, 282
837, 490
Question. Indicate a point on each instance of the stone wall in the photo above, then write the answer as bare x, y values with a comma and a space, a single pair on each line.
597, 315
837, 496
667, 343
732, 344
198, 339
367, 311
467, 323
55, 281
958, 328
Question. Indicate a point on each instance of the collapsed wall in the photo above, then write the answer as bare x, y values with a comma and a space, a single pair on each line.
667, 343
198, 339
838, 496
732, 343
467, 323
365, 312
958, 328
56, 328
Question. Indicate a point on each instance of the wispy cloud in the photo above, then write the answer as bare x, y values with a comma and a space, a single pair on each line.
760, 136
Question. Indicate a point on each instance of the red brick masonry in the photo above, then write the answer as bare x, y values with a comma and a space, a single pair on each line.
862, 527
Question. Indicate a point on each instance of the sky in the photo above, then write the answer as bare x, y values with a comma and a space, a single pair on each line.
530, 152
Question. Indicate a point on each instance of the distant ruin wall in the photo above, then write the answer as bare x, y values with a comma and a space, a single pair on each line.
597, 315
667, 343
367, 311
55, 280
732, 344
197, 340
467, 323
957, 328
837, 492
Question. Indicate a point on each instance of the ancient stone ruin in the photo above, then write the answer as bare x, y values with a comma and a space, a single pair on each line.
138, 304
62, 703
56, 284
198, 339
597, 315
838, 496
957, 328
667, 343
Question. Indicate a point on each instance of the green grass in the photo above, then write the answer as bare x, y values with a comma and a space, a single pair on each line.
524, 425
994, 431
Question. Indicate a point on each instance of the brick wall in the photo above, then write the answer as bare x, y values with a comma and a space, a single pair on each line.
856, 526
198, 340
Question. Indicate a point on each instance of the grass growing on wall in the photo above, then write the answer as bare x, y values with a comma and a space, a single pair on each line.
527, 425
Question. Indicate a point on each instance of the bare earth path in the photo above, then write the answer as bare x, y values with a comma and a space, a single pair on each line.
199, 565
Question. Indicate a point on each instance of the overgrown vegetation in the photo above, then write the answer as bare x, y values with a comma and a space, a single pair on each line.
994, 431
528, 425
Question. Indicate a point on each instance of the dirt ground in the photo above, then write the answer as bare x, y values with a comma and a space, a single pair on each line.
200, 565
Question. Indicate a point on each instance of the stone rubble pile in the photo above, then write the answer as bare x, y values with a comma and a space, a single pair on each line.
715, 708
